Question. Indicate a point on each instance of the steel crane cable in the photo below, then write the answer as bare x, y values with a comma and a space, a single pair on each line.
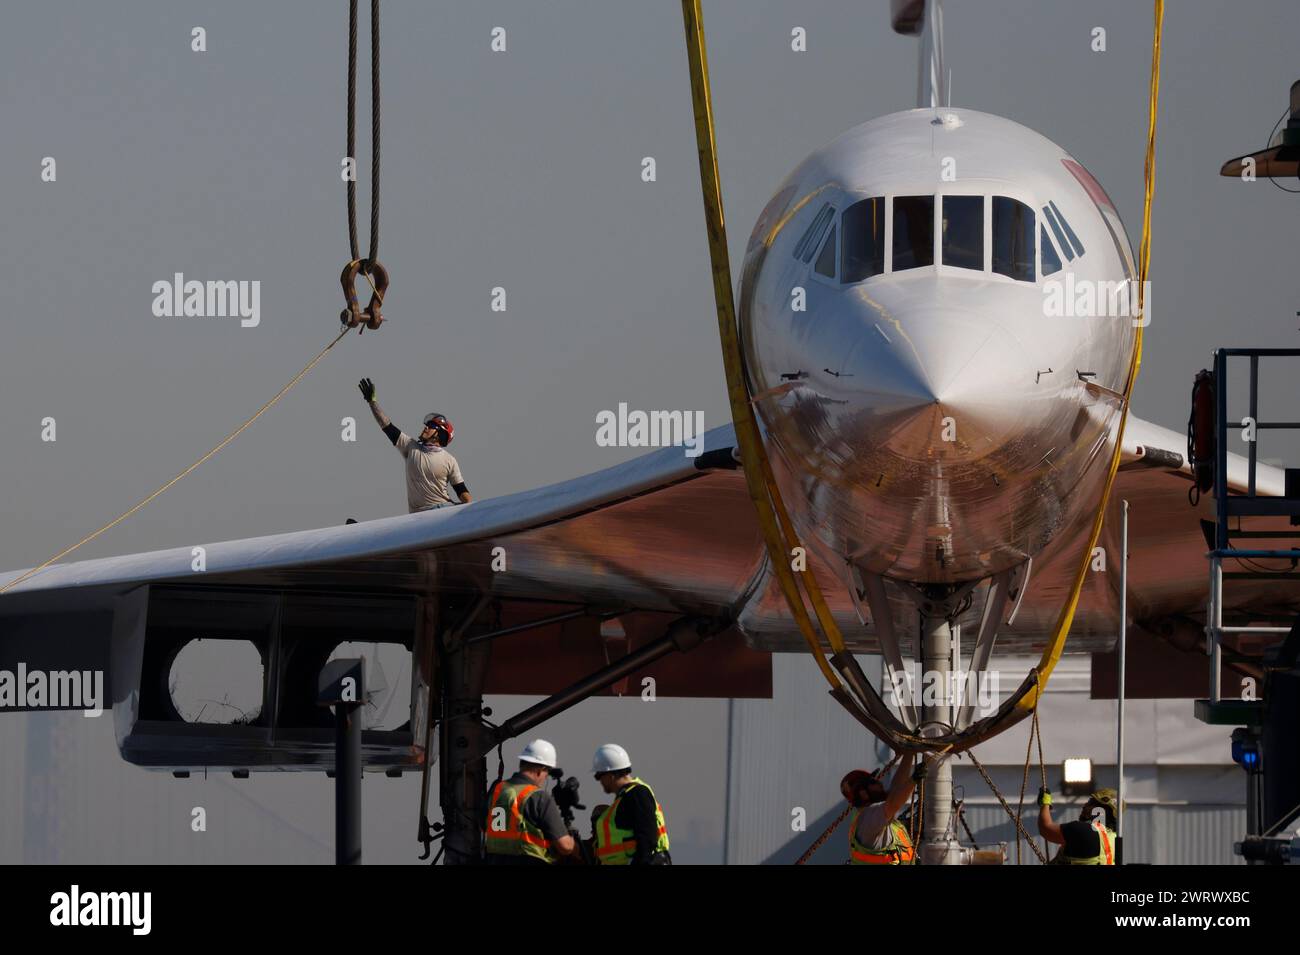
370, 267
352, 239
374, 129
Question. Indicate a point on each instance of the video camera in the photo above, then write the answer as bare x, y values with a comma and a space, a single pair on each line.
565, 795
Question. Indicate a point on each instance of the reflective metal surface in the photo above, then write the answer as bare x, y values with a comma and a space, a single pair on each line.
935, 427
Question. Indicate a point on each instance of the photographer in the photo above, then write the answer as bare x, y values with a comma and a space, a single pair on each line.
524, 825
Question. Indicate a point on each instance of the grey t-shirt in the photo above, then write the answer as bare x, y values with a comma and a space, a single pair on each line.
540, 810
431, 473
872, 830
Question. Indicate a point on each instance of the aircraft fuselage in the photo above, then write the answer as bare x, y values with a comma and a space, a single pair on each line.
928, 416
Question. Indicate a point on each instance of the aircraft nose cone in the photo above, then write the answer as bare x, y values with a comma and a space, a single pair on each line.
941, 384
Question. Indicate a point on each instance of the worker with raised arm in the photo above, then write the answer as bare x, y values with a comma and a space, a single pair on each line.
876, 837
432, 474
1089, 840
524, 825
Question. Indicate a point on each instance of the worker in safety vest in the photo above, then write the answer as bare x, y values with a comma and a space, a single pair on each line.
432, 474
876, 837
632, 830
1088, 841
588, 846
524, 826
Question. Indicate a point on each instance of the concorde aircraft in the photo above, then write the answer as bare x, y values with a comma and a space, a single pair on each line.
933, 430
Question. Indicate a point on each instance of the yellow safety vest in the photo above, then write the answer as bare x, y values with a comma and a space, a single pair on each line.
1105, 850
615, 846
520, 837
898, 851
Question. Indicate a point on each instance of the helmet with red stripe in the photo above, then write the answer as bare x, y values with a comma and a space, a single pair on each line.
442, 427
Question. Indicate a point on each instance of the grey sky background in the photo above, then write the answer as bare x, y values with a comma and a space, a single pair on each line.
519, 170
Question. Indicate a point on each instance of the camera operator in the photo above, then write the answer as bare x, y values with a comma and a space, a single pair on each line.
524, 825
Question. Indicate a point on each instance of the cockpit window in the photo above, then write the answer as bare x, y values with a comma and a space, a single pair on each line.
812, 238
863, 234
1060, 235
963, 232
1074, 239
1013, 239
913, 232
1109, 215
826, 261
1051, 261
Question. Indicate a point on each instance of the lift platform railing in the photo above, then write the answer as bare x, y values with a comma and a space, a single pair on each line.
1245, 505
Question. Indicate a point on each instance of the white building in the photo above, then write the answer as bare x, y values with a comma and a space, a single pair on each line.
1184, 797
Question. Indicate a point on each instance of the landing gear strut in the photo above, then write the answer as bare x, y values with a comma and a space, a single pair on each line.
940, 639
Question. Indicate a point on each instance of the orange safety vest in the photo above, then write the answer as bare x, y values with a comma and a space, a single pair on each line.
898, 851
519, 837
1106, 852
1103, 835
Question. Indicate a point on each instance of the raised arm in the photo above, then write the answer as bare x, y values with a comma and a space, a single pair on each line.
900, 789
368, 392
1047, 826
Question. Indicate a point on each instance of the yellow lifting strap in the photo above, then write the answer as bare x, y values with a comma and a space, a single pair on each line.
1052, 653
773, 519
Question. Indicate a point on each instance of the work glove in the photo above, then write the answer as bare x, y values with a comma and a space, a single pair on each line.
1044, 796
367, 389
919, 773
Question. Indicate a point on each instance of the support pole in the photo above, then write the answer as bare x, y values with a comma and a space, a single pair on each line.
1215, 626
938, 634
1123, 658
347, 784
463, 741
1254, 801
341, 685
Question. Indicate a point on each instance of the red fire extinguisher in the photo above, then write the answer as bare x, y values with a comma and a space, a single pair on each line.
1200, 435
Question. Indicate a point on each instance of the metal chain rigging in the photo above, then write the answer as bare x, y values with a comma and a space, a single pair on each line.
821, 840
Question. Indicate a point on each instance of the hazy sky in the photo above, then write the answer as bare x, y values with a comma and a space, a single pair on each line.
521, 170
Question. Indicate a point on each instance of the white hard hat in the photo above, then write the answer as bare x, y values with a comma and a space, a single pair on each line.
540, 752
610, 757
